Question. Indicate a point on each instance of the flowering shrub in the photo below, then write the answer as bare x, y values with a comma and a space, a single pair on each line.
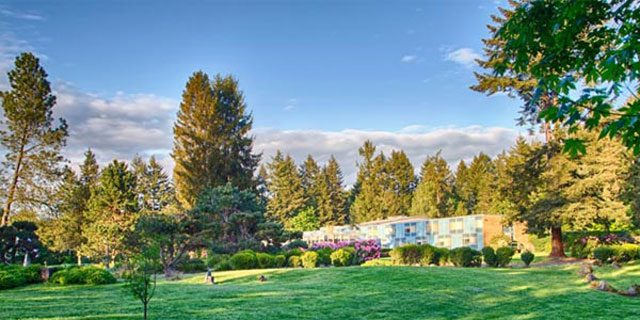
330, 245
584, 247
367, 250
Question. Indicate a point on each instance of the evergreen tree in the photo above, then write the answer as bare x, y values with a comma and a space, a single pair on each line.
31, 140
285, 188
402, 182
462, 189
310, 172
262, 184
112, 212
481, 178
374, 196
434, 194
212, 145
332, 199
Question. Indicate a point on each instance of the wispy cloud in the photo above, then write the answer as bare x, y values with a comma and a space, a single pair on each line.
409, 58
21, 15
464, 56
292, 104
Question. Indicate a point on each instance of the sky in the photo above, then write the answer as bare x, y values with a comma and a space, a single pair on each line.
319, 77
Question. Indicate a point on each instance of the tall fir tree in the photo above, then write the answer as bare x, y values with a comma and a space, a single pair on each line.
433, 196
402, 182
112, 212
373, 199
462, 190
212, 145
285, 188
332, 199
481, 177
310, 172
31, 139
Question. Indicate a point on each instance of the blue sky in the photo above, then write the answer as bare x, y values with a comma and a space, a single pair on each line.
306, 67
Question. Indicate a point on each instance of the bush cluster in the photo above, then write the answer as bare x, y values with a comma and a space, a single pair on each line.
342, 257
309, 259
13, 276
424, 254
191, 266
465, 257
618, 253
504, 255
527, 257
82, 275
248, 259
489, 256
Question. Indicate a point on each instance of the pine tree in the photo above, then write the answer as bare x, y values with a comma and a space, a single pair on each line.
310, 172
285, 188
112, 212
462, 189
373, 199
212, 145
332, 199
31, 140
402, 182
434, 195
481, 177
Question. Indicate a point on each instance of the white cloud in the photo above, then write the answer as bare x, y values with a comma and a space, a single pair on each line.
417, 141
408, 59
464, 56
21, 15
292, 103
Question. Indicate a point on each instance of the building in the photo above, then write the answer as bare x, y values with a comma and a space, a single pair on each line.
473, 231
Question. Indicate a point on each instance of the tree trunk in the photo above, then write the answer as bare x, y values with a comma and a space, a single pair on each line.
27, 260
79, 256
145, 311
12, 187
557, 249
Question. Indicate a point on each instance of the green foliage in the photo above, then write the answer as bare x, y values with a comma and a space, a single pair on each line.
429, 255
401, 184
377, 263
501, 240
504, 255
280, 261
465, 257
191, 265
540, 244
331, 199
626, 252
489, 256
293, 252
324, 256
265, 260
527, 257
604, 254
408, 254
223, 266
244, 260
212, 145
309, 259
305, 220
341, 257
435, 190
214, 259
372, 191
294, 262
31, 141
287, 194
141, 277
82, 275
13, 276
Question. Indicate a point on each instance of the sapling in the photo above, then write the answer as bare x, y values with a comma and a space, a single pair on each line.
141, 277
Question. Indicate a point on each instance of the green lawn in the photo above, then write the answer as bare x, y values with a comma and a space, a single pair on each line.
345, 293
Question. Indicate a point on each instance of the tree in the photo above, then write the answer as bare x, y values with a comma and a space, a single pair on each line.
433, 194
19, 240
310, 172
31, 139
212, 145
153, 188
112, 212
481, 178
586, 51
306, 220
285, 188
331, 199
141, 278
402, 180
631, 192
462, 190
373, 199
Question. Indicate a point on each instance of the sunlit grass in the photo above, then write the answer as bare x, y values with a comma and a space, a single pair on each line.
344, 293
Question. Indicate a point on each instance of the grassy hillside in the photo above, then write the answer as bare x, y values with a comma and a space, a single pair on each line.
344, 293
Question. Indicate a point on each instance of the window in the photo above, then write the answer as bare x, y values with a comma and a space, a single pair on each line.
456, 226
410, 229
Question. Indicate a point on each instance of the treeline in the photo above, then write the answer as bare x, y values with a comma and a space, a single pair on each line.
532, 181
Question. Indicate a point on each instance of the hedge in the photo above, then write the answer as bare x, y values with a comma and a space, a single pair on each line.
465, 257
504, 255
13, 276
309, 259
243, 260
82, 275
342, 257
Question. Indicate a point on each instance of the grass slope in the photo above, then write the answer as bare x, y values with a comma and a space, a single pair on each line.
344, 293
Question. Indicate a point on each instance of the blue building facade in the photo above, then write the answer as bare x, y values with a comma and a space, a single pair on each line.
470, 231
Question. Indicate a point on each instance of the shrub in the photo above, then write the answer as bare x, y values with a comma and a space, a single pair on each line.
293, 252
330, 245
465, 257
12, 276
223, 266
324, 256
295, 262
504, 255
603, 254
214, 259
367, 250
191, 266
441, 256
243, 260
280, 261
265, 260
428, 255
625, 252
489, 256
527, 257
82, 275
582, 248
540, 244
341, 258
309, 259
377, 263
409, 254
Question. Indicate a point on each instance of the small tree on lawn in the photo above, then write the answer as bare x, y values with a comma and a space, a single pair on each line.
141, 277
